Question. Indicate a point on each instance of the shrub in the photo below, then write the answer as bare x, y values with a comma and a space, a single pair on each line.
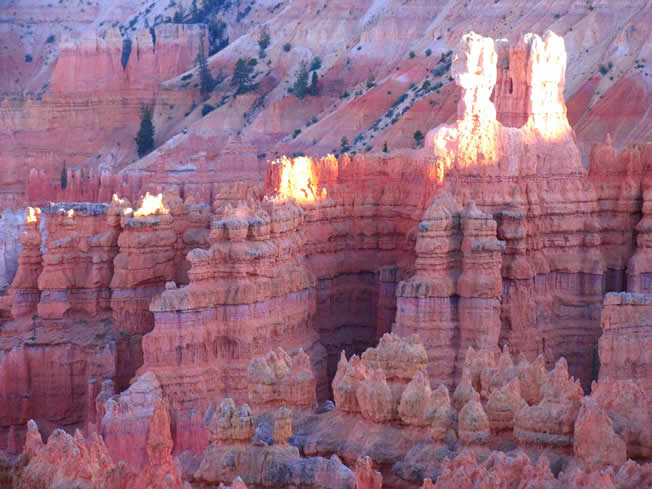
412, 55
400, 100
28, 58
418, 138
371, 80
178, 15
425, 85
315, 64
286, 47
385, 150
50, 39
263, 41
207, 109
296, 133
428, 52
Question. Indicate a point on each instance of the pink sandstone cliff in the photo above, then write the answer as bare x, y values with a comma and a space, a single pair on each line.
493, 235
93, 100
249, 291
624, 346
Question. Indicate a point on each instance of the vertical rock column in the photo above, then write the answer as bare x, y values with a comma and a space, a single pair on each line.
78, 262
24, 288
480, 285
387, 278
143, 266
639, 271
616, 178
250, 292
426, 302
625, 346
518, 307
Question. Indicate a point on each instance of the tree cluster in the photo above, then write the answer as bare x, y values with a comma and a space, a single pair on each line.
241, 79
301, 86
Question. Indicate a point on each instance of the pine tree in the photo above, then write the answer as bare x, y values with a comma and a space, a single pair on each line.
206, 81
263, 41
301, 85
145, 137
314, 89
241, 80
194, 12
64, 176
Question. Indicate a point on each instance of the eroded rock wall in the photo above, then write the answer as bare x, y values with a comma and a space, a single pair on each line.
95, 98
625, 344
249, 291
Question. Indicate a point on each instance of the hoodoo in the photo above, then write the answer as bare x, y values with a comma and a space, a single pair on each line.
469, 306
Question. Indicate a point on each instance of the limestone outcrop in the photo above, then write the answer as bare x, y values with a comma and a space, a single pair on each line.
12, 224
281, 379
595, 440
639, 269
627, 404
160, 470
45, 378
282, 430
24, 287
626, 340
516, 470
227, 424
416, 401
365, 476
552, 420
416, 266
479, 159
78, 263
144, 263
473, 423
375, 398
66, 461
126, 423
384, 378
91, 98
503, 405
249, 292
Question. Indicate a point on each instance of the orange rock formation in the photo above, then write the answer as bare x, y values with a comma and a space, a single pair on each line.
416, 266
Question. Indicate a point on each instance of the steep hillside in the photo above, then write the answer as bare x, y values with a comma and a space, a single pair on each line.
381, 73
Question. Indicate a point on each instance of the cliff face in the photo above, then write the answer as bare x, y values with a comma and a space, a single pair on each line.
528, 179
249, 291
94, 100
490, 235
624, 345
77, 87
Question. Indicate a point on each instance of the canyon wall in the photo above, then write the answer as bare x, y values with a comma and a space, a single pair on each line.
250, 291
492, 235
95, 98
